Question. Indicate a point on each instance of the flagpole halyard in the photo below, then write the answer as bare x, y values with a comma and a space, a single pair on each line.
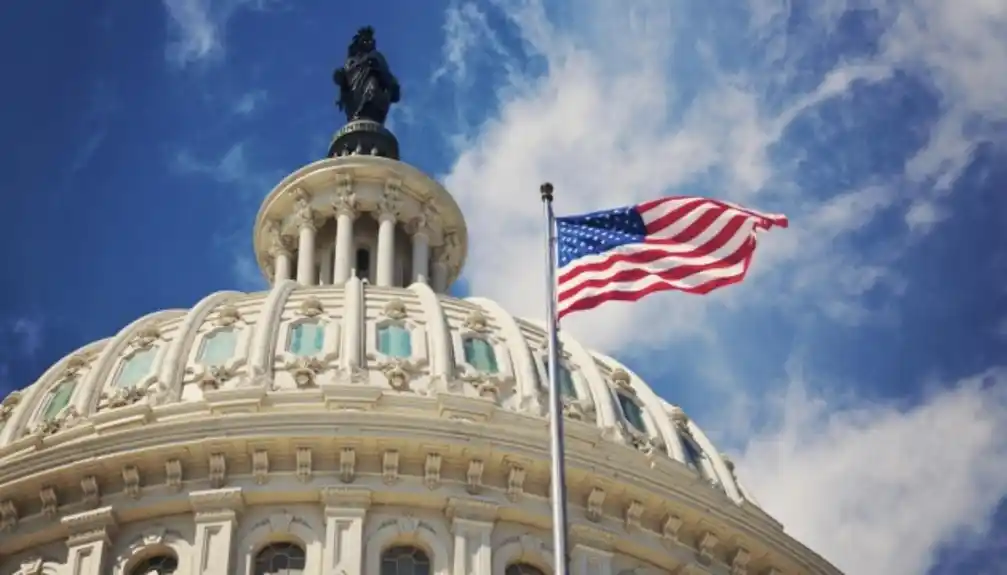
558, 467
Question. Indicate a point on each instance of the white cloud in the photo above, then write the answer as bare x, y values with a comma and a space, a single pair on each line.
196, 27
877, 488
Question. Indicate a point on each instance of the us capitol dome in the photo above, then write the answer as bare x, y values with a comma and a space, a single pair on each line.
356, 419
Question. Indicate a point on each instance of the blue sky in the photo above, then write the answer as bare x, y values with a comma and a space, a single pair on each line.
858, 376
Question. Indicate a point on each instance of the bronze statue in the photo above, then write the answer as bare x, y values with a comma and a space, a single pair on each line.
367, 88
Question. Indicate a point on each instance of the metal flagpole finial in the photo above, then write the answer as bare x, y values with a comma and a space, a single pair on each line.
546, 190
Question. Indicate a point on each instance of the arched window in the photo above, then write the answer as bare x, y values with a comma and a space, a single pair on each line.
405, 561
58, 398
632, 411
523, 569
693, 454
480, 355
160, 564
280, 559
136, 367
363, 263
566, 386
306, 338
218, 347
395, 341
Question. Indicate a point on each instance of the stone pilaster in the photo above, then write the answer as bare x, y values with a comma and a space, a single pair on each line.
591, 550
472, 524
89, 535
216, 514
345, 511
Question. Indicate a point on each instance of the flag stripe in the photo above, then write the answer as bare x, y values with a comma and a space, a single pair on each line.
683, 243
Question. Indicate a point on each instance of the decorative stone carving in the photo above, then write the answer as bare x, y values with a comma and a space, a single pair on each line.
305, 370
92, 495
173, 474
212, 377
395, 310
573, 409
303, 461
50, 503
641, 441
432, 471
8, 516
390, 203
390, 467
477, 321
670, 527
407, 524
311, 307
145, 337
705, 545
351, 374
227, 315
622, 380
739, 561
474, 476
121, 397
260, 466
347, 465
515, 483
634, 512
399, 372
65, 420
595, 501
424, 222
131, 481
346, 199
304, 215
7, 406
218, 470
678, 417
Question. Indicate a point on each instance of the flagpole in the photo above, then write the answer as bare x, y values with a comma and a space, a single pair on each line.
558, 469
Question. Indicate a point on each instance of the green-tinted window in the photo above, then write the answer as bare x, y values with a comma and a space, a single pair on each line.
218, 347
632, 411
58, 398
306, 339
136, 368
566, 386
480, 355
395, 341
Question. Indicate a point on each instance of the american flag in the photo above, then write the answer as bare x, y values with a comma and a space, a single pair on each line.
684, 243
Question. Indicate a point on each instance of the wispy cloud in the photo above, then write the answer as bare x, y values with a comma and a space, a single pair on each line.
250, 102
197, 27
21, 338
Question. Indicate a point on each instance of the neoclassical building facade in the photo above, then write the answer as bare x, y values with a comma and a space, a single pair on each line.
355, 419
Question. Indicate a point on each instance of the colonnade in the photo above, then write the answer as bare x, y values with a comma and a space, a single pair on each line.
335, 262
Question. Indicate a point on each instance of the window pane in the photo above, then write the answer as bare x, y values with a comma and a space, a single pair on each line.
218, 347
479, 354
58, 399
395, 341
136, 368
405, 561
693, 455
280, 559
566, 386
306, 339
156, 565
634, 414
523, 569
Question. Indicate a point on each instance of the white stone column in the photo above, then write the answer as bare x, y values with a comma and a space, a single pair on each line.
346, 212
216, 514
305, 218
279, 250
89, 541
472, 525
591, 551
345, 512
440, 272
420, 238
388, 209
